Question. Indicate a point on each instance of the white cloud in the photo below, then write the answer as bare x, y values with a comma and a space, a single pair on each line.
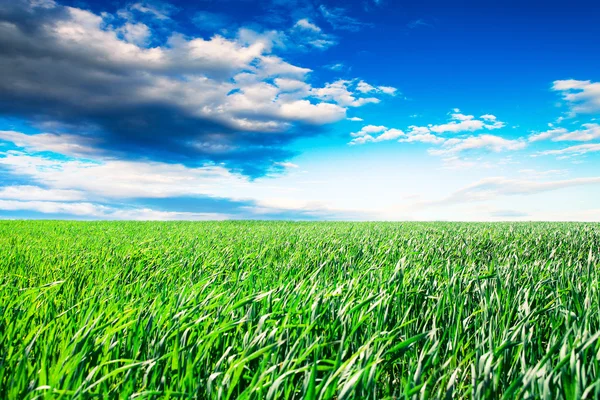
462, 117
161, 11
422, 135
387, 90
486, 141
53, 207
368, 129
423, 138
488, 117
287, 164
588, 132
355, 119
105, 185
364, 87
122, 179
98, 211
390, 134
306, 24
340, 93
466, 123
304, 110
36, 193
349, 93
306, 32
292, 85
574, 150
336, 66
365, 135
136, 33
536, 137
106, 71
583, 97
59, 143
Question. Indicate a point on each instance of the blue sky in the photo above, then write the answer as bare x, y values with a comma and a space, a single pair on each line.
284, 109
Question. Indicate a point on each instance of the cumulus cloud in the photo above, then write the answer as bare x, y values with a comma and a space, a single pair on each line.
387, 90
421, 135
583, 97
136, 33
467, 123
189, 100
449, 147
374, 133
349, 93
364, 87
368, 129
458, 123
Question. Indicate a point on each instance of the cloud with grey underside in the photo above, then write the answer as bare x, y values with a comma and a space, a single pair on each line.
191, 100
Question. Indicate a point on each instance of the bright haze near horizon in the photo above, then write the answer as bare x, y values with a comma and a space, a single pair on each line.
302, 110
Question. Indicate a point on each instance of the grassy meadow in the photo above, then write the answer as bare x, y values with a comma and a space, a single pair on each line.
284, 310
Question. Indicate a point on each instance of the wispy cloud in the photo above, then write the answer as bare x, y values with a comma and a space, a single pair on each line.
490, 188
308, 33
587, 132
419, 23
574, 150
487, 142
338, 19
88, 210
211, 21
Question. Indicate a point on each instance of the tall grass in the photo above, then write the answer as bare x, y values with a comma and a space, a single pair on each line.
259, 310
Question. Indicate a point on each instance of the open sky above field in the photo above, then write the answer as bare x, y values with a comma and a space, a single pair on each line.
316, 109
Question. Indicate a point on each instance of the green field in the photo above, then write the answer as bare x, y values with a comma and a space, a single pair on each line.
299, 310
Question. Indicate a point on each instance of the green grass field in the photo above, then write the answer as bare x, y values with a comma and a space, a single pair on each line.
272, 310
